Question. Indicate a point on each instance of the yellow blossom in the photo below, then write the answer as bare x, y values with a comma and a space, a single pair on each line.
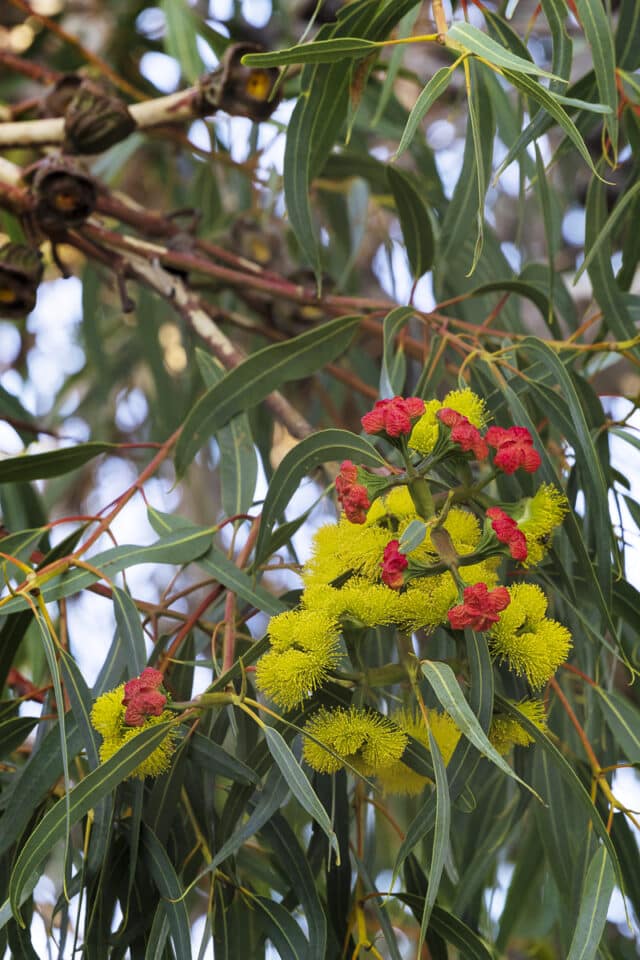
400, 778
371, 604
306, 628
506, 732
345, 547
425, 432
542, 514
305, 647
533, 645
367, 741
397, 502
426, 601
107, 717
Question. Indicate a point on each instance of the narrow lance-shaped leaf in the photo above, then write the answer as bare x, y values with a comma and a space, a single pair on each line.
464, 37
551, 104
181, 547
394, 363
256, 377
170, 889
446, 688
440, 834
320, 447
434, 89
53, 463
299, 784
320, 51
598, 31
81, 799
414, 222
238, 457
594, 903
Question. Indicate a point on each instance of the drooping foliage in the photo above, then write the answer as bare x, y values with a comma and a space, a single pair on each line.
319, 618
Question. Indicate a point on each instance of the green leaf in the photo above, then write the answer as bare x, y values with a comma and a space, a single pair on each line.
623, 719
14, 732
594, 903
440, 835
521, 288
35, 780
281, 838
627, 49
130, 632
22, 421
214, 758
238, 457
281, 928
404, 29
578, 432
415, 222
556, 13
299, 785
170, 889
412, 537
605, 288
463, 37
612, 222
456, 235
580, 796
225, 571
54, 463
321, 447
549, 102
81, 799
476, 107
597, 30
181, 547
180, 38
447, 689
250, 382
270, 799
428, 96
451, 929
316, 118
394, 363
320, 51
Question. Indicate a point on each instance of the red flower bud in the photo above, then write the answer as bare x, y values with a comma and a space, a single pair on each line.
393, 564
514, 449
394, 417
142, 697
507, 531
352, 495
480, 608
464, 433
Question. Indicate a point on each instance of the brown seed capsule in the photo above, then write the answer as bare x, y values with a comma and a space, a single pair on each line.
65, 194
239, 90
20, 273
95, 120
61, 94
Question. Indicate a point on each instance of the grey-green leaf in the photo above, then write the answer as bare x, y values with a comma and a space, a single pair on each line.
250, 382
596, 894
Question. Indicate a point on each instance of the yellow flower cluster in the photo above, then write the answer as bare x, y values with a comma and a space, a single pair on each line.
345, 548
366, 741
107, 717
346, 586
399, 778
542, 514
532, 645
506, 732
305, 645
425, 432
